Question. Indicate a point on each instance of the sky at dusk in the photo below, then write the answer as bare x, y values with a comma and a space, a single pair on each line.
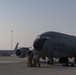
29, 18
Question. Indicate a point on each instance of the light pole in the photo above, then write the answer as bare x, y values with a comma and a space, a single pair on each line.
11, 39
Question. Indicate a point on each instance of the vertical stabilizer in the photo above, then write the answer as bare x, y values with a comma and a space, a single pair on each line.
16, 46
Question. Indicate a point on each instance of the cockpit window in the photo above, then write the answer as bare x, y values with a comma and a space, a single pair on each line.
38, 36
46, 37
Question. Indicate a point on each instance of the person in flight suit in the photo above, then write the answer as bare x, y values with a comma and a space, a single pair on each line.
30, 58
36, 60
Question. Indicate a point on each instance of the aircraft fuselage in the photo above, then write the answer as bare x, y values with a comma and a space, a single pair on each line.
55, 44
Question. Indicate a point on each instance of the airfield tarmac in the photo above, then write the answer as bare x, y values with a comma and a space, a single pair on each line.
16, 66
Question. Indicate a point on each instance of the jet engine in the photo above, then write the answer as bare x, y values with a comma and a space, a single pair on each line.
21, 53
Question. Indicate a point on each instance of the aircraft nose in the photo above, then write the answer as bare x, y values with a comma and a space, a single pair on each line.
38, 44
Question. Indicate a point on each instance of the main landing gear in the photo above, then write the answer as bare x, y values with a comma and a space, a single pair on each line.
65, 61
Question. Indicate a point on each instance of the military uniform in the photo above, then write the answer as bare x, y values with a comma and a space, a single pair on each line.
30, 57
36, 60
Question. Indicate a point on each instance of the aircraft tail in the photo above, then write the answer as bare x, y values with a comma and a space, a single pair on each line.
16, 46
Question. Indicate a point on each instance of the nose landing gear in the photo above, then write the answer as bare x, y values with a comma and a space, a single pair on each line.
51, 61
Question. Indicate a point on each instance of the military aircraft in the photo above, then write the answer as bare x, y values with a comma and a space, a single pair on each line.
53, 45
8, 52
56, 45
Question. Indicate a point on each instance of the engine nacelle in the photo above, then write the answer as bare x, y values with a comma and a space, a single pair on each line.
21, 53
34, 53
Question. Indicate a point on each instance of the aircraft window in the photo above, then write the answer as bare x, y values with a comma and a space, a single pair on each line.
47, 37
38, 36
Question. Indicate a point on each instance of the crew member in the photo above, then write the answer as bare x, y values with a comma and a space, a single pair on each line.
36, 60
30, 58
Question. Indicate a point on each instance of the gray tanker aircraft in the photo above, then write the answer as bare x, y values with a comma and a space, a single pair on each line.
53, 45
8, 52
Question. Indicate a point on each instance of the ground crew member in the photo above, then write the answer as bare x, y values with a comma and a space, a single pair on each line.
30, 58
36, 60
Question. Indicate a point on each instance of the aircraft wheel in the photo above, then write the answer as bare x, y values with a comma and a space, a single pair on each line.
72, 64
63, 60
49, 62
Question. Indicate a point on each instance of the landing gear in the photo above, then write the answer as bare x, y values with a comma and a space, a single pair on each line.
75, 59
51, 61
64, 61
72, 64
